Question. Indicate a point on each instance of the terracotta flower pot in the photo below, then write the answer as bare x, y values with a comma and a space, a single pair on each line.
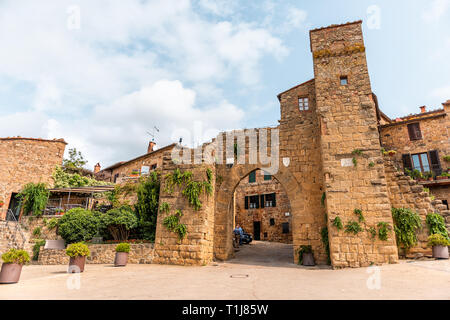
440, 252
121, 259
76, 264
10, 273
308, 259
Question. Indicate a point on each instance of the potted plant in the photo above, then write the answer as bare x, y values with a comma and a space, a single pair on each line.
443, 176
428, 176
77, 253
13, 260
440, 245
122, 251
305, 256
392, 153
1, 203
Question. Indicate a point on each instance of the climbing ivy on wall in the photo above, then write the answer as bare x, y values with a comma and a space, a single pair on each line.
326, 242
406, 223
190, 189
172, 223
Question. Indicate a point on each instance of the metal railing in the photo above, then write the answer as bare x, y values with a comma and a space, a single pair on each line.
10, 216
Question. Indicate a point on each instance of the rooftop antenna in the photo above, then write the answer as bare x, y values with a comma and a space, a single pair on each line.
153, 133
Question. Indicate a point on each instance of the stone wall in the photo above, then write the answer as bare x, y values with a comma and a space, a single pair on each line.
435, 136
246, 217
348, 123
405, 192
197, 247
100, 254
24, 160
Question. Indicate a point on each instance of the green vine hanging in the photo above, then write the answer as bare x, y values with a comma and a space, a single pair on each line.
172, 223
190, 189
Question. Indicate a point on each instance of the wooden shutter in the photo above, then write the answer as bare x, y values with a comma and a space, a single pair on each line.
434, 162
246, 202
262, 201
274, 199
414, 131
257, 202
407, 163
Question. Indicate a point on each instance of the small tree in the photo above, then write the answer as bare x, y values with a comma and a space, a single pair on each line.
146, 207
119, 222
78, 225
76, 160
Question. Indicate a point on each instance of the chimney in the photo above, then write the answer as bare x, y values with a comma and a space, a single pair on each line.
151, 145
97, 168
423, 109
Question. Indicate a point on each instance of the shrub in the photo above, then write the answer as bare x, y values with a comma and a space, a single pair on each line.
123, 247
383, 230
78, 250
406, 223
78, 225
34, 198
37, 231
52, 223
146, 207
119, 222
37, 247
303, 249
353, 227
438, 240
337, 222
436, 225
16, 256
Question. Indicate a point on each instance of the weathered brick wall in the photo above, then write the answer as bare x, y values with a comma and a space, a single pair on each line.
300, 143
24, 160
141, 253
405, 192
435, 136
197, 247
246, 217
348, 122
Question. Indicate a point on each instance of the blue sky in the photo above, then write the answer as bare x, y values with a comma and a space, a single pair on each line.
100, 74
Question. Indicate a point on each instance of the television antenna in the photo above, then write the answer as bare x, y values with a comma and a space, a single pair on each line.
153, 133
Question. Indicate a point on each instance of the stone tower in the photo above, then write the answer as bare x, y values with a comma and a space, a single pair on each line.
352, 163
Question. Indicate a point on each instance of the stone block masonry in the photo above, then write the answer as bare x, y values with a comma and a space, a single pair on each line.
140, 253
24, 160
348, 123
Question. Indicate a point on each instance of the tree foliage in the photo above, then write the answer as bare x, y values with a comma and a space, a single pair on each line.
75, 161
119, 222
34, 197
146, 207
63, 179
406, 223
78, 225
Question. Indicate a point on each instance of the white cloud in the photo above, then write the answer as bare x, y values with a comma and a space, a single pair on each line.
100, 87
219, 7
442, 93
119, 128
436, 11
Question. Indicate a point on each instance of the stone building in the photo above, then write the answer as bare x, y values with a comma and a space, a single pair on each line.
422, 142
143, 164
262, 208
24, 160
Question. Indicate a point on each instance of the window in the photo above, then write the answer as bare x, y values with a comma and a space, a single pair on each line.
344, 80
424, 162
285, 227
252, 177
267, 177
272, 221
414, 131
115, 177
270, 200
252, 202
303, 104
154, 166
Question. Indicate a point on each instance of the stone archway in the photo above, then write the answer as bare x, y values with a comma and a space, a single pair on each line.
223, 220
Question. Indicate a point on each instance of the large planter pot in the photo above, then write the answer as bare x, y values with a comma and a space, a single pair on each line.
121, 259
440, 252
76, 264
10, 273
308, 259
